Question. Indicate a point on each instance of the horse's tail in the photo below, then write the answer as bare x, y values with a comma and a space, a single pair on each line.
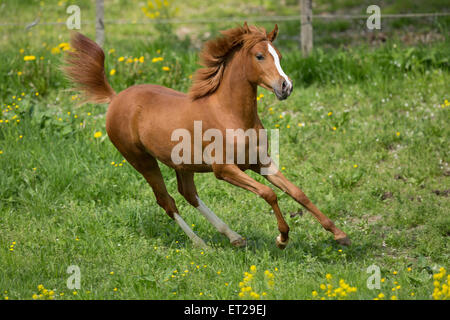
85, 68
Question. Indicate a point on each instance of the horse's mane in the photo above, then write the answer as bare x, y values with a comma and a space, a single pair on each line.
214, 55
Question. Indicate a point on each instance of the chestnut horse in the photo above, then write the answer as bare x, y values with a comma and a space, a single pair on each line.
141, 119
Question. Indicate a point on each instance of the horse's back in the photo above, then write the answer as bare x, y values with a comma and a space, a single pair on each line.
143, 99
145, 92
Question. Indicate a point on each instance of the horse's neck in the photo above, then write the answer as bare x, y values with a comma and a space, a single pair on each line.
236, 94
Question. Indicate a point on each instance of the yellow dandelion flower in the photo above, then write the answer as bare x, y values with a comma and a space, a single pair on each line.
98, 134
112, 72
29, 58
55, 50
254, 295
165, 68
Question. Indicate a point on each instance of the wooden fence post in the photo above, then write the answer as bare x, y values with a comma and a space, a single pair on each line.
99, 25
306, 30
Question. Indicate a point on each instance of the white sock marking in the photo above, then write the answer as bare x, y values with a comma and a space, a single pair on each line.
183, 225
216, 222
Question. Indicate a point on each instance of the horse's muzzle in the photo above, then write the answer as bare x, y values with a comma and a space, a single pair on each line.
283, 90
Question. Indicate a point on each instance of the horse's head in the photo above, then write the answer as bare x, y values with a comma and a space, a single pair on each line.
258, 58
264, 61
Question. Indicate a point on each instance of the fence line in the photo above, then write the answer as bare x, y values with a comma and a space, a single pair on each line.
240, 19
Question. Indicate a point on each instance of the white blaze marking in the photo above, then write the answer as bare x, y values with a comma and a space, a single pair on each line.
277, 64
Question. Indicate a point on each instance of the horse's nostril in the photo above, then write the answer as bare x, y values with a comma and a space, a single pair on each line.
284, 85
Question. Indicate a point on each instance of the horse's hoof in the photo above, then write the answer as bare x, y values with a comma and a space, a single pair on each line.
345, 241
280, 244
239, 242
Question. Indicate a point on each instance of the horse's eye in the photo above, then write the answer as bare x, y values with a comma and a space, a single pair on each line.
259, 56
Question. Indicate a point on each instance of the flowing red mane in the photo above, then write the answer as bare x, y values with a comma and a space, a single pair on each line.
215, 53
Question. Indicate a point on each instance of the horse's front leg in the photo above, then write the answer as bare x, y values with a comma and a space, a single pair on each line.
274, 175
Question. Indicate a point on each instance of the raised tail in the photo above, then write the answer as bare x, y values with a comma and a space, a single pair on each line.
85, 68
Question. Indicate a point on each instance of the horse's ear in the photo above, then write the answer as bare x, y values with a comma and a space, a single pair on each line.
272, 35
246, 28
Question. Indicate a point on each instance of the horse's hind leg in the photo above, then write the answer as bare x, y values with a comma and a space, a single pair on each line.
187, 188
148, 167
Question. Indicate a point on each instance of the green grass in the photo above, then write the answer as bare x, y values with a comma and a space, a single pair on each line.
63, 203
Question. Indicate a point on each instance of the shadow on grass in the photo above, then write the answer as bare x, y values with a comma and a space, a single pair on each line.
158, 227
323, 248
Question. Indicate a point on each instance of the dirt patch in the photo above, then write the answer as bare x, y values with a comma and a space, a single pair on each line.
443, 193
387, 195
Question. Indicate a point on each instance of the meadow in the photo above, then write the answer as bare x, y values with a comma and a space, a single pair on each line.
364, 134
